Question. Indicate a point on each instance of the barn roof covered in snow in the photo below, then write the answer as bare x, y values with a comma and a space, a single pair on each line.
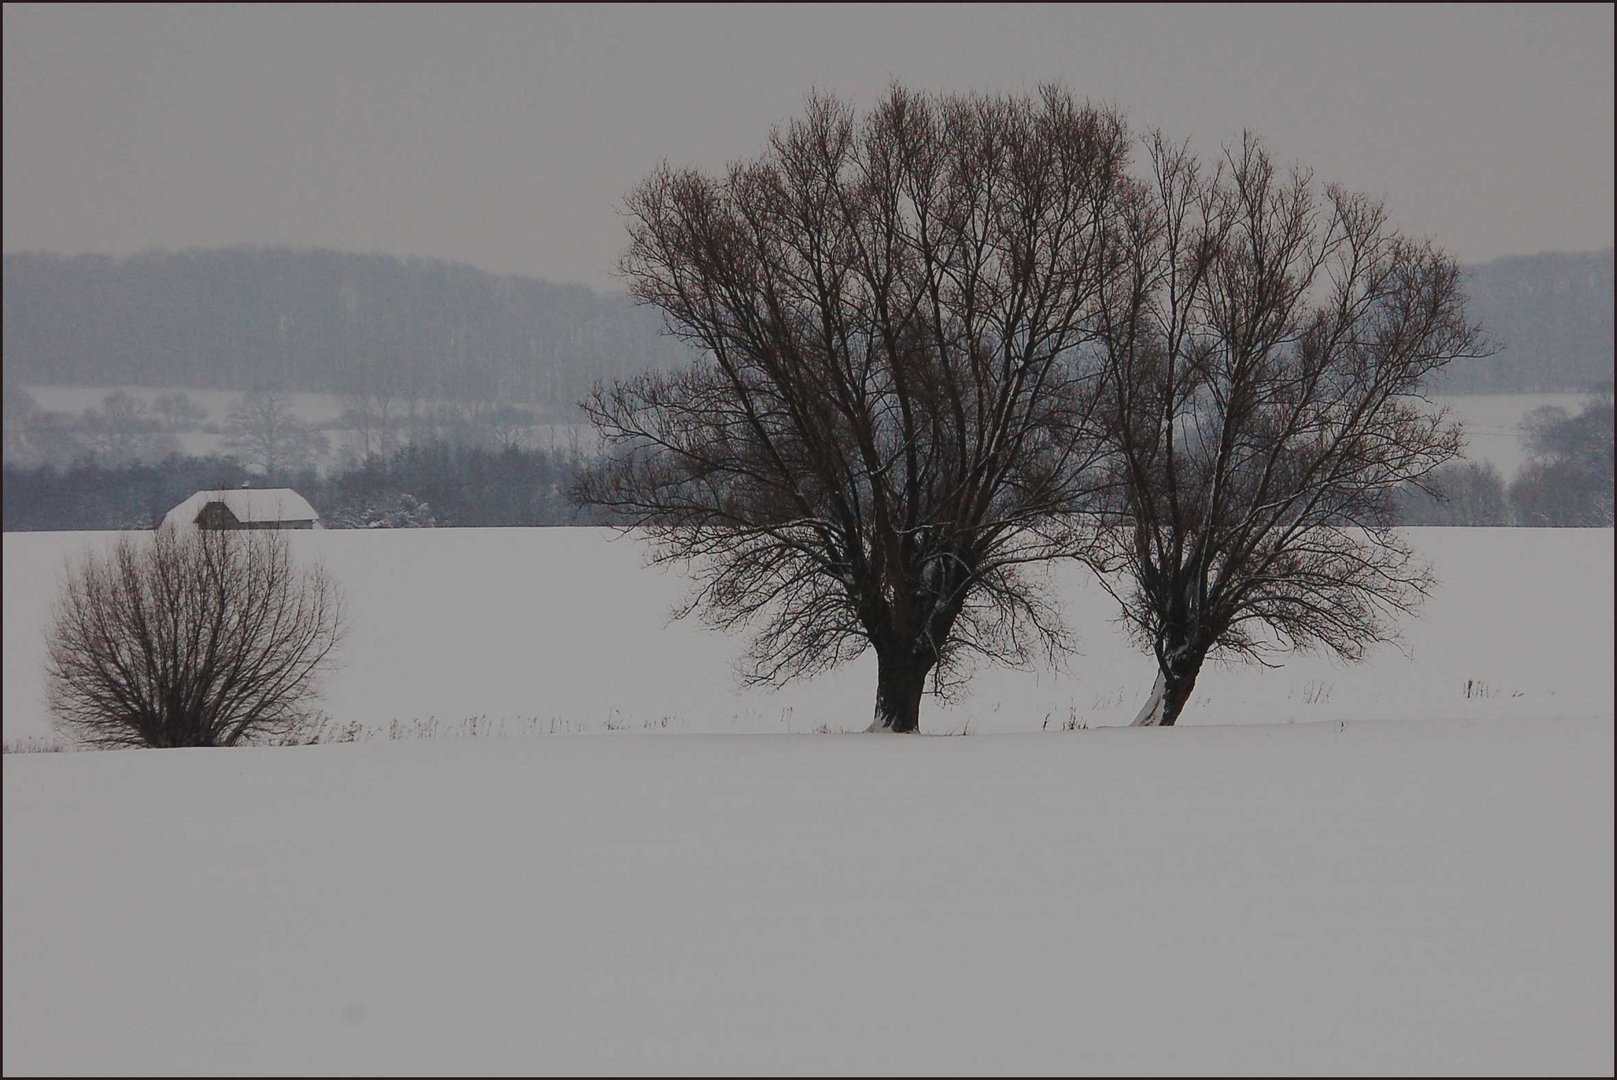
249, 505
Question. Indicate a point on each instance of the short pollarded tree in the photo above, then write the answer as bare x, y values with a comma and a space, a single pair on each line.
194, 638
1268, 345
887, 433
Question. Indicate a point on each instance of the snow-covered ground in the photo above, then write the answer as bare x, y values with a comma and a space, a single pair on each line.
519, 630
1422, 897
1419, 882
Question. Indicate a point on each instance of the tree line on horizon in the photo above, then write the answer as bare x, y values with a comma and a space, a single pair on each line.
125, 471
340, 323
318, 321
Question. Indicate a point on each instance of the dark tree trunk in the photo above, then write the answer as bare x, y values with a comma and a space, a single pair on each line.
900, 682
1176, 678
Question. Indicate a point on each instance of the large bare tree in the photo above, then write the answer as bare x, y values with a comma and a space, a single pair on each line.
889, 428
1267, 343
193, 638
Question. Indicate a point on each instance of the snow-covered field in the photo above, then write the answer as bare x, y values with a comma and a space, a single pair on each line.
1426, 897
518, 630
1420, 882
311, 408
1491, 419
322, 410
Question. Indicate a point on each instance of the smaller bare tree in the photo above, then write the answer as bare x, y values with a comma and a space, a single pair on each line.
200, 638
266, 433
378, 420
1268, 347
178, 412
124, 432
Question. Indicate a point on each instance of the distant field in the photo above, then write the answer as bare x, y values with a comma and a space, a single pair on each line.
1491, 419
318, 409
311, 408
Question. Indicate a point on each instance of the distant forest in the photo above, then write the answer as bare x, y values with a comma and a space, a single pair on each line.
301, 320
1550, 315
318, 321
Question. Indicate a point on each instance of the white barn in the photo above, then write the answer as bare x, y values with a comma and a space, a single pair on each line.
244, 508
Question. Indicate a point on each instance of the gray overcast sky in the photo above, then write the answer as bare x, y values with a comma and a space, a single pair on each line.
506, 136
